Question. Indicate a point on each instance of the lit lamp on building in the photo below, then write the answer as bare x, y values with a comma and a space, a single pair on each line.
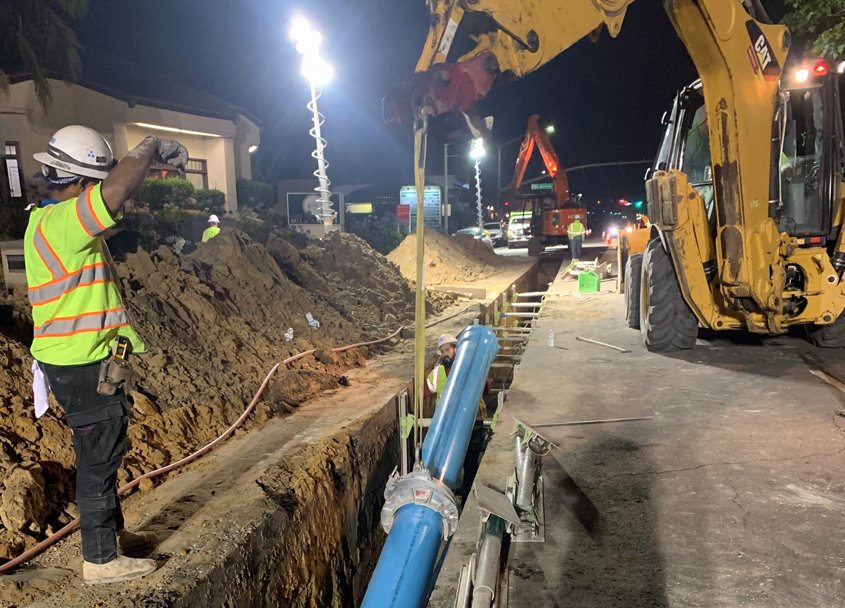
318, 73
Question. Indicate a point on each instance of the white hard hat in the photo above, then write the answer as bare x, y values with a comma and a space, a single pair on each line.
213, 219
446, 339
77, 151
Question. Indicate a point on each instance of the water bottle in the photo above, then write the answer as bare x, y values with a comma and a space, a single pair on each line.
551, 339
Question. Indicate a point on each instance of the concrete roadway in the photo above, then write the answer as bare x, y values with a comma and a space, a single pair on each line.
733, 496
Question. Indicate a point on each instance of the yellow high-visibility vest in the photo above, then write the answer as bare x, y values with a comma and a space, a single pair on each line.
209, 233
436, 382
77, 309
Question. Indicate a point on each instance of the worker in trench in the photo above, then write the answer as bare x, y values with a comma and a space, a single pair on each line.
82, 332
435, 383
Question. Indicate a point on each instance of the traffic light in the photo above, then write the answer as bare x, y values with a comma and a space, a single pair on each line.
638, 204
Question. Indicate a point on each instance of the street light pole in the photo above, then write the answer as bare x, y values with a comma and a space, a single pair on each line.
476, 152
317, 72
499, 167
446, 188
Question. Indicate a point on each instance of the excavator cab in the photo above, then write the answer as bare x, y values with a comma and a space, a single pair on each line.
810, 160
807, 156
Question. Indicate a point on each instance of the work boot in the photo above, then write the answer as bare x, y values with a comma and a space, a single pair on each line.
129, 541
121, 568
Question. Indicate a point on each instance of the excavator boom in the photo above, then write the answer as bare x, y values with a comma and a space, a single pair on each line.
534, 136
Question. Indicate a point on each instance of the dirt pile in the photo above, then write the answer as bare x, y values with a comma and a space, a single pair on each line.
345, 273
214, 322
448, 261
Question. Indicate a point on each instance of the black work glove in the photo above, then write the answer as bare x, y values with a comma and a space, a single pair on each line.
171, 152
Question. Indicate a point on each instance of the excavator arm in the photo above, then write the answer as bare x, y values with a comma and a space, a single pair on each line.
512, 39
534, 136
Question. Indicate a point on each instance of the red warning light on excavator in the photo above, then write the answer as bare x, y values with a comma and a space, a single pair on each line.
820, 67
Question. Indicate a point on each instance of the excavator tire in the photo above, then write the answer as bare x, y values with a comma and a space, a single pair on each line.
666, 321
633, 275
828, 336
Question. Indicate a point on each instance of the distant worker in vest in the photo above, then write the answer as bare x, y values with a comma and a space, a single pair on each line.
82, 333
576, 231
213, 228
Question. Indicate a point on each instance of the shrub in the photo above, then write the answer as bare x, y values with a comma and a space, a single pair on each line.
209, 198
255, 195
382, 234
156, 192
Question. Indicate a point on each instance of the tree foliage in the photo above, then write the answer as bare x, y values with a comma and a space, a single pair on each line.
822, 22
36, 35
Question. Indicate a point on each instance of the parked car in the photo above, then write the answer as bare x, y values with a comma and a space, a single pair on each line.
519, 226
497, 235
478, 233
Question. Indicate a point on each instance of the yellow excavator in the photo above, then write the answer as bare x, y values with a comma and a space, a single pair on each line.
746, 199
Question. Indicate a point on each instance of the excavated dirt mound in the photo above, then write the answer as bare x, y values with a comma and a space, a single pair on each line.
448, 261
344, 272
214, 322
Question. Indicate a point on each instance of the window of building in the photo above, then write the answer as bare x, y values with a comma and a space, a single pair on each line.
15, 262
14, 171
196, 172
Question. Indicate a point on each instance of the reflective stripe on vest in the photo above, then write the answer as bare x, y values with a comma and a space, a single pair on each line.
90, 321
85, 276
85, 212
47, 255
436, 380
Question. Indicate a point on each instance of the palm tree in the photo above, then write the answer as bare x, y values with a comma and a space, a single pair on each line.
34, 35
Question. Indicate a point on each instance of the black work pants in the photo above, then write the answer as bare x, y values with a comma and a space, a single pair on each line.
99, 424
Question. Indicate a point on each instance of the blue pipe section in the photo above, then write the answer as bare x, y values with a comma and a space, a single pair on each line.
405, 565
400, 579
445, 445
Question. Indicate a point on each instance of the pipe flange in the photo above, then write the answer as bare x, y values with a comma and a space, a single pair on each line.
418, 487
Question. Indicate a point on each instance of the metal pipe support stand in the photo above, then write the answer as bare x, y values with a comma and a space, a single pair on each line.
526, 485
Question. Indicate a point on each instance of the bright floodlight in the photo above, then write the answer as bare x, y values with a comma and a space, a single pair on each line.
316, 70
299, 27
550, 129
307, 39
309, 43
802, 75
476, 150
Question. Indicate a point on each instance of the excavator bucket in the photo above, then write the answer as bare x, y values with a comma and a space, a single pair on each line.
447, 94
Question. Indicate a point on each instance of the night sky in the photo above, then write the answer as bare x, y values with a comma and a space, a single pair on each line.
605, 99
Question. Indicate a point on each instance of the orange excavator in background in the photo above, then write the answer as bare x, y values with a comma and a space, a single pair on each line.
550, 215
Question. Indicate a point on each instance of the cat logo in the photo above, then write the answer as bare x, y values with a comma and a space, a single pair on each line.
760, 54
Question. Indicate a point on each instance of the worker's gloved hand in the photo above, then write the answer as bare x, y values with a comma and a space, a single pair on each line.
171, 152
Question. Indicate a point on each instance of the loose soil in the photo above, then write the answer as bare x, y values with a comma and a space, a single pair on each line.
214, 322
448, 261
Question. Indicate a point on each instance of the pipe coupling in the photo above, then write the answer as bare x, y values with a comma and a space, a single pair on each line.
419, 488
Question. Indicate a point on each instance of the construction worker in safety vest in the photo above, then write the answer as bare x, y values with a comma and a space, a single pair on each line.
575, 231
213, 228
82, 332
435, 382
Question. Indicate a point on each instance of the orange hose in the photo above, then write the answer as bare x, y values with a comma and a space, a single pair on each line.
67, 529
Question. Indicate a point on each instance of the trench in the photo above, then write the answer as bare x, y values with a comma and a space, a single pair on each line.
317, 541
